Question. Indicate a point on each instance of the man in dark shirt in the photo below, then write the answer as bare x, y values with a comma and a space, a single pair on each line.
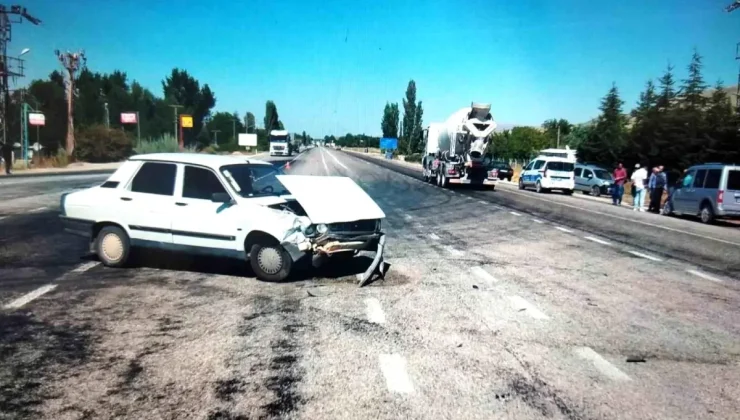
657, 184
620, 176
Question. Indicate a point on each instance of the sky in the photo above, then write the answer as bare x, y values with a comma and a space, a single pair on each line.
330, 65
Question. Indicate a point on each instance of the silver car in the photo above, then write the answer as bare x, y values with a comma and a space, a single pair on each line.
590, 179
710, 191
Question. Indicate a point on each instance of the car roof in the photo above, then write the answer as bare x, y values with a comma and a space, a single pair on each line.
212, 161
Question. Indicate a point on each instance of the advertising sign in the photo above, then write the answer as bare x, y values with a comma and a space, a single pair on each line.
248, 140
128, 118
186, 121
36, 118
388, 144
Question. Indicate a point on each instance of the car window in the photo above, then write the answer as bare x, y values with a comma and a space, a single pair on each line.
560, 166
688, 179
699, 178
529, 166
200, 183
713, 176
155, 178
251, 180
733, 180
577, 172
538, 164
602, 174
587, 173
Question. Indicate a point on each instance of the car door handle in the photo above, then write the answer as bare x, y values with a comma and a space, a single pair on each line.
181, 204
126, 198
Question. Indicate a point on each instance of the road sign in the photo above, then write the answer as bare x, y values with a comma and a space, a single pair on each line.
388, 143
248, 140
36, 118
186, 121
128, 118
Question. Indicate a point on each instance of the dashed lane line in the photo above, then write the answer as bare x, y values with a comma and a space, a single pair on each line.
538, 221
597, 240
520, 304
84, 267
454, 252
28, 297
646, 256
515, 213
433, 236
560, 228
375, 312
601, 364
323, 160
36, 210
705, 276
397, 379
3, 217
407, 216
483, 202
483, 275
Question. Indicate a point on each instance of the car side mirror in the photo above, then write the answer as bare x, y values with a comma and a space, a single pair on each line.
590, 176
221, 198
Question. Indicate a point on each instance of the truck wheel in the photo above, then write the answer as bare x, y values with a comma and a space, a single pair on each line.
439, 179
270, 262
444, 181
112, 246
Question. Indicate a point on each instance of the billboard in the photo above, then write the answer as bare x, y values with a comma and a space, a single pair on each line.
36, 118
388, 143
186, 121
248, 140
128, 118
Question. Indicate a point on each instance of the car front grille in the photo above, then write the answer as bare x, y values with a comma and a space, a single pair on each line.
357, 226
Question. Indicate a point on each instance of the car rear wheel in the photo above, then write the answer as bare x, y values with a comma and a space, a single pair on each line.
112, 246
568, 192
706, 214
521, 183
538, 187
270, 262
595, 191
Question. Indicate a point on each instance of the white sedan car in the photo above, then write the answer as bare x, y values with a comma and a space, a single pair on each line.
225, 206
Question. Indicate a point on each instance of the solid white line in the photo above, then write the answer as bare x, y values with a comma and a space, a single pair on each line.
84, 267
455, 252
326, 168
601, 364
393, 367
520, 304
30, 296
483, 274
434, 237
38, 210
336, 160
374, 311
597, 240
537, 221
641, 255
515, 213
705, 276
563, 229
534, 197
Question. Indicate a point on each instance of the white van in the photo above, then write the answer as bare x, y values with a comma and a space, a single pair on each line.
551, 170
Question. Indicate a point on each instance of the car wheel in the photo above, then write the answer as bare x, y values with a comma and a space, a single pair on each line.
707, 215
595, 191
112, 246
270, 262
521, 183
538, 187
568, 192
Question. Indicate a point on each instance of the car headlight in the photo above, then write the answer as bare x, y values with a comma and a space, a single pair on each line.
321, 228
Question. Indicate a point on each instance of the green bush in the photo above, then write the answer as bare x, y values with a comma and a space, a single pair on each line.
164, 144
99, 144
414, 157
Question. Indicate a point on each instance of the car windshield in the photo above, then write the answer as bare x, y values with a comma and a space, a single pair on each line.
501, 165
560, 166
251, 180
602, 174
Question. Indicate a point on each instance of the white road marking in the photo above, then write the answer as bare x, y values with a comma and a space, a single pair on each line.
563, 229
38, 209
641, 255
483, 274
520, 304
630, 220
337, 160
498, 207
87, 266
705, 276
537, 221
374, 311
3, 217
418, 225
326, 168
455, 252
393, 367
407, 216
434, 236
515, 213
597, 240
601, 364
30, 296
483, 202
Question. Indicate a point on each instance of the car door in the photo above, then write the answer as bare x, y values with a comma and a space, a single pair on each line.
588, 179
578, 179
683, 194
536, 172
146, 202
731, 194
525, 172
197, 220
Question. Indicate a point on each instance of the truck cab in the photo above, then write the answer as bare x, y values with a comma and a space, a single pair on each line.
280, 144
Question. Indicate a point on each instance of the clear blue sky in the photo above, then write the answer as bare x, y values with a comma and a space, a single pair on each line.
331, 65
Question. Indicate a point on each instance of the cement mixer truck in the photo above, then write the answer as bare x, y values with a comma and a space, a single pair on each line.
455, 150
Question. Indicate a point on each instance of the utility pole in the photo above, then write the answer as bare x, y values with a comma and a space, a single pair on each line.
215, 133
233, 124
72, 63
558, 136
733, 6
174, 109
9, 66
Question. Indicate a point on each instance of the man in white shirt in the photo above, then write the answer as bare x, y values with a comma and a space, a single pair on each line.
638, 180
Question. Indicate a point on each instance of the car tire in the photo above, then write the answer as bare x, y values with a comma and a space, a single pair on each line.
521, 183
595, 191
538, 187
706, 214
113, 246
270, 262
568, 192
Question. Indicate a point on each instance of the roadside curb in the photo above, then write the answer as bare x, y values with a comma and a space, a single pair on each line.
59, 173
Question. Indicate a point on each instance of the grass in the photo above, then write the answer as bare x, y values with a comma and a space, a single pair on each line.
164, 144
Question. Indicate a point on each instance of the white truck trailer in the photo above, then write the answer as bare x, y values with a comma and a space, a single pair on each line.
280, 144
455, 151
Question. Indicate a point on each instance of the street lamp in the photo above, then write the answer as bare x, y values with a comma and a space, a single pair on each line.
25, 50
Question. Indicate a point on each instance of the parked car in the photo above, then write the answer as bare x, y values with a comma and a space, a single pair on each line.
591, 179
505, 171
227, 206
546, 173
710, 191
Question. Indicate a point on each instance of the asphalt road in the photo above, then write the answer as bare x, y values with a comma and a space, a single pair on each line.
496, 305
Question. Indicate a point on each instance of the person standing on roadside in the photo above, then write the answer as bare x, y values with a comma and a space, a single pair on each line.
7, 149
638, 183
620, 176
656, 184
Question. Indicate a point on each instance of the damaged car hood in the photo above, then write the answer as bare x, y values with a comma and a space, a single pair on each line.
331, 199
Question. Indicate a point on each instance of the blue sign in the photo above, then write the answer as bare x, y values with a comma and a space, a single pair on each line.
388, 144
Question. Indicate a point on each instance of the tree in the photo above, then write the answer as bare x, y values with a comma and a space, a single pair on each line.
225, 123
181, 88
607, 140
250, 123
390, 121
722, 141
667, 97
305, 138
551, 129
271, 119
411, 131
